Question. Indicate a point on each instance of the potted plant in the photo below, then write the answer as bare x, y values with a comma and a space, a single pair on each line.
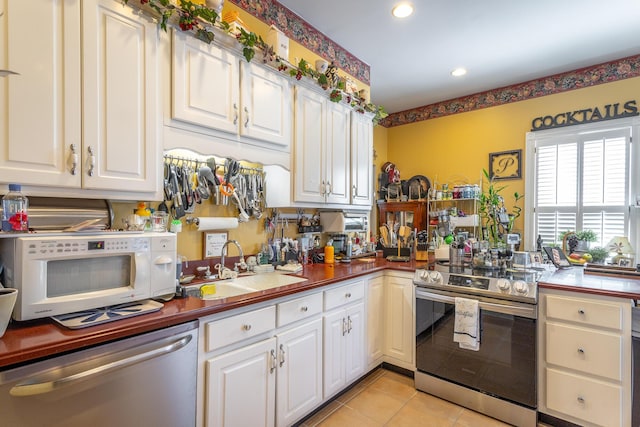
493, 211
598, 254
578, 241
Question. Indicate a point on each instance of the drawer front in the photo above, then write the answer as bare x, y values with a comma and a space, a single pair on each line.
299, 308
343, 295
601, 314
236, 328
589, 400
589, 351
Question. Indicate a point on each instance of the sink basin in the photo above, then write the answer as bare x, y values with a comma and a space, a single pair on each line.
260, 282
244, 285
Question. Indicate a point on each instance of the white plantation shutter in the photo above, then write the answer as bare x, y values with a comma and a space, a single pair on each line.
582, 182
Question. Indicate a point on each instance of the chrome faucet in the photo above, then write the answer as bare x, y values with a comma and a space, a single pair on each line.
242, 264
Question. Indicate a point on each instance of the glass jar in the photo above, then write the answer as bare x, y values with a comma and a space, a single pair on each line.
15, 210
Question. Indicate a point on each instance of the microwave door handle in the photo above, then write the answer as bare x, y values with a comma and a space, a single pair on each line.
32, 387
164, 259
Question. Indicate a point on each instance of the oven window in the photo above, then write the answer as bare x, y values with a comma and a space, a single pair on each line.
505, 365
83, 275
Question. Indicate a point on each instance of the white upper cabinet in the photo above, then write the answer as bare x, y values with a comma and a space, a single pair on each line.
83, 113
214, 88
361, 159
206, 84
322, 149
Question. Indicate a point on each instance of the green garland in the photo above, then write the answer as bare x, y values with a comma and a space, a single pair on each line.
200, 19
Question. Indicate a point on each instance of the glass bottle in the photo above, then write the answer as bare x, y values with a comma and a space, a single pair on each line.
15, 210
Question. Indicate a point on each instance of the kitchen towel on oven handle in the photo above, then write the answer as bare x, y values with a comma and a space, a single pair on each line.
466, 329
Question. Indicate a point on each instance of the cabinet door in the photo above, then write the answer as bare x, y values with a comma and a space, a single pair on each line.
121, 146
40, 110
375, 321
335, 329
205, 82
399, 336
240, 387
338, 153
354, 349
361, 159
310, 137
299, 380
266, 112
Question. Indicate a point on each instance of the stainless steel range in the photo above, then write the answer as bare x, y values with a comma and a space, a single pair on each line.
499, 379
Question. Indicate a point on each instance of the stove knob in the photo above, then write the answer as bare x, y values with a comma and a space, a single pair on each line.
424, 275
503, 284
521, 286
435, 277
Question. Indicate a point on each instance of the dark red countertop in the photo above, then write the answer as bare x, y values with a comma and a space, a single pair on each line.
31, 340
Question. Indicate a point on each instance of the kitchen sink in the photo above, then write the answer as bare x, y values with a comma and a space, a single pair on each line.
241, 285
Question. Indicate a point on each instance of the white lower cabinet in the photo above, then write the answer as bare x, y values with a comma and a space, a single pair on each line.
275, 381
584, 358
399, 335
375, 321
344, 322
241, 386
299, 378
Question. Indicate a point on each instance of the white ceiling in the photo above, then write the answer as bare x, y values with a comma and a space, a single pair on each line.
500, 42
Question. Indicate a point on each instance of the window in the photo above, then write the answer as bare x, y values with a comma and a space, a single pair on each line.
580, 178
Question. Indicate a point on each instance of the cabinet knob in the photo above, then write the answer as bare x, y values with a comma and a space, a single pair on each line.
581, 312
304, 308
581, 350
347, 295
580, 399
246, 327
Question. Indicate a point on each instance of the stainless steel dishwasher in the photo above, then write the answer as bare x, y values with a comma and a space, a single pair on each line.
146, 380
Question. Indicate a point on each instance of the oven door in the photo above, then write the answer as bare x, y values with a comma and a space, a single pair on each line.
505, 365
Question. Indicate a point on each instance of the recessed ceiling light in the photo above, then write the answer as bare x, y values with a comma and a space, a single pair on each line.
402, 10
458, 72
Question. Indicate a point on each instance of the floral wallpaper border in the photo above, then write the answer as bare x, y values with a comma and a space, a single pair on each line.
272, 12
585, 77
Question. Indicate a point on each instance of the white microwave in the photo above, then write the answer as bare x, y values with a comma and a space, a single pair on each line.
66, 273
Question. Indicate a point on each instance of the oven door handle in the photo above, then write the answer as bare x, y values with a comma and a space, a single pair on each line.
528, 311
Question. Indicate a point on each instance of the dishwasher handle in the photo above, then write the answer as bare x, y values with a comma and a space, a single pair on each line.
34, 386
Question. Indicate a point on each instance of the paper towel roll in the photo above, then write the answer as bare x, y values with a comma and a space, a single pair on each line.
216, 223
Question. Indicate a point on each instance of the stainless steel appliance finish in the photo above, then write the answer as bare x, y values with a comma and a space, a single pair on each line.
499, 380
147, 380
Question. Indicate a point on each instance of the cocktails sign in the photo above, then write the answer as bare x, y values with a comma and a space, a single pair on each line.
588, 115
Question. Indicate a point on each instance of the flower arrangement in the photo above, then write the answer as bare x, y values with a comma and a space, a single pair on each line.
201, 19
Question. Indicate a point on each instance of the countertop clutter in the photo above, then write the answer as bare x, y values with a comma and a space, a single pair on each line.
32, 340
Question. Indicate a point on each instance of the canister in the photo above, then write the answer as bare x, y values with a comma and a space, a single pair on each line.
329, 254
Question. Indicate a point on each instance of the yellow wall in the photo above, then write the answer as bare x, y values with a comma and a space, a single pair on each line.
457, 147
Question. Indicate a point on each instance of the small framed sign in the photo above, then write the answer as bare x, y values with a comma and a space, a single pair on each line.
213, 243
505, 165
557, 257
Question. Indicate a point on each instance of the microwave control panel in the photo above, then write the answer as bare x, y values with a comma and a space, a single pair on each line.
52, 247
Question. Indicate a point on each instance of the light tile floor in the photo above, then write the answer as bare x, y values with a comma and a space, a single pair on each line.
386, 398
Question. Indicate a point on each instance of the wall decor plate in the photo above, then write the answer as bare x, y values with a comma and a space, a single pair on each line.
419, 186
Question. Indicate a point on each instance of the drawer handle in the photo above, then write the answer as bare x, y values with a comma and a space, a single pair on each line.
348, 295
581, 312
235, 113
581, 350
246, 123
74, 159
246, 327
304, 308
350, 325
580, 399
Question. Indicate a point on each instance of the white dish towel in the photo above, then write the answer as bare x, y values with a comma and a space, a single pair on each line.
466, 330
